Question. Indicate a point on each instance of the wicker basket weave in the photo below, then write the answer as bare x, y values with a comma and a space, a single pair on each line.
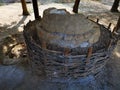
53, 61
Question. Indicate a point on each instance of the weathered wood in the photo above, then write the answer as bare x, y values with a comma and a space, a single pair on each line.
97, 20
89, 54
76, 5
24, 7
109, 25
90, 50
117, 29
43, 45
66, 51
115, 6
35, 8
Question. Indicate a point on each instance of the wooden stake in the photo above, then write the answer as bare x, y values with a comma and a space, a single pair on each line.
67, 51
109, 25
109, 44
118, 25
43, 42
90, 49
24, 7
76, 5
35, 7
114, 29
44, 46
97, 20
41, 34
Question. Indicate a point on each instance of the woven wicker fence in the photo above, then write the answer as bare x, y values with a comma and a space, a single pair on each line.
54, 61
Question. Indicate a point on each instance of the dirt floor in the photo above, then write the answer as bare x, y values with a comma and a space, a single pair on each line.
15, 73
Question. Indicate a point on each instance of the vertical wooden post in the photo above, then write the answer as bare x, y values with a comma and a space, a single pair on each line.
117, 27
90, 50
89, 54
67, 51
24, 7
109, 25
97, 20
35, 8
76, 5
115, 6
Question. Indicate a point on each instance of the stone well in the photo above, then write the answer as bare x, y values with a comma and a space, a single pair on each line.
64, 45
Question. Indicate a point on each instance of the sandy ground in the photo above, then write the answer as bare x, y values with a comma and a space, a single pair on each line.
19, 77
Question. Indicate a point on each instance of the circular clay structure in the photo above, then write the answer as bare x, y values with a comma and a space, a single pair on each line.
61, 28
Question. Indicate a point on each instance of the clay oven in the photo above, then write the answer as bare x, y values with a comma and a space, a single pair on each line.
67, 45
